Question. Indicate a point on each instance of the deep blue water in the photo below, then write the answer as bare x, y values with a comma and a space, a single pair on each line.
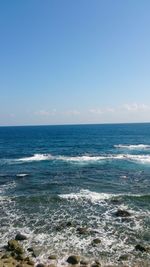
50, 175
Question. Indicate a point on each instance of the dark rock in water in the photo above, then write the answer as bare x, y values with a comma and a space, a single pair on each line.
84, 262
63, 225
30, 249
13, 245
52, 257
122, 213
140, 248
69, 224
29, 261
82, 230
40, 265
19, 257
123, 257
20, 237
36, 252
96, 264
96, 241
93, 231
74, 259
115, 201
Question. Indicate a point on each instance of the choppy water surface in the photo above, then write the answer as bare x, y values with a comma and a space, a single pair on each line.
55, 179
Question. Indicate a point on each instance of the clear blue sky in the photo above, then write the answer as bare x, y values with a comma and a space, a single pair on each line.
74, 61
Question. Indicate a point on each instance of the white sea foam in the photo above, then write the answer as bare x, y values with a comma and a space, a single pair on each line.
7, 186
84, 159
36, 157
21, 174
81, 158
139, 158
87, 195
132, 147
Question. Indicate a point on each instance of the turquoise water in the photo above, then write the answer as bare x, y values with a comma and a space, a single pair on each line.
51, 175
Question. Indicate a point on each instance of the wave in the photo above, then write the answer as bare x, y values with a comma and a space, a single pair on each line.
85, 194
21, 174
132, 147
85, 159
139, 158
36, 157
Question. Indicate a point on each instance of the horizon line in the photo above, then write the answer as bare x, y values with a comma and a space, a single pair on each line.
74, 124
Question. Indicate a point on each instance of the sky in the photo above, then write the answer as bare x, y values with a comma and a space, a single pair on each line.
74, 61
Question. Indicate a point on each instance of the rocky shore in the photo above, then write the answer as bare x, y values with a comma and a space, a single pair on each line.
14, 254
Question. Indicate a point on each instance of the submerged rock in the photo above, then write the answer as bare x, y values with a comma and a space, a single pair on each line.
123, 257
20, 237
74, 259
35, 252
40, 265
29, 261
52, 257
82, 230
63, 225
122, 213
96, 264
96, 241
140, 248
13, 245
84, 262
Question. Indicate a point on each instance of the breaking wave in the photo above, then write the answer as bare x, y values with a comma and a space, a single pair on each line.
84, 159
21, 174
132, 147
87, 195
36, 157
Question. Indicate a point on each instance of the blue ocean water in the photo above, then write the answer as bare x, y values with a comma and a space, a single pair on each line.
54, 179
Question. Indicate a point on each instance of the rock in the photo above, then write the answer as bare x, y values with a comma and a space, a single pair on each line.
95, 264
29, 261
123, 257
20, 257
63, 225
13, 245
40, 265
5, 256
52, 257
140, 248
115, 201
74, 259
30, 249
122, 213
84, 262
96, 241
82, 230
36, 252
20, 237
69, 224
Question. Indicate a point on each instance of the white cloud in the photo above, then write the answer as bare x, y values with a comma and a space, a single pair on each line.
71, 112
45, 113
96, 111
134, 107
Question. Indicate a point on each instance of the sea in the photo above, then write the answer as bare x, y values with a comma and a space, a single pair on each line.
55, 180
